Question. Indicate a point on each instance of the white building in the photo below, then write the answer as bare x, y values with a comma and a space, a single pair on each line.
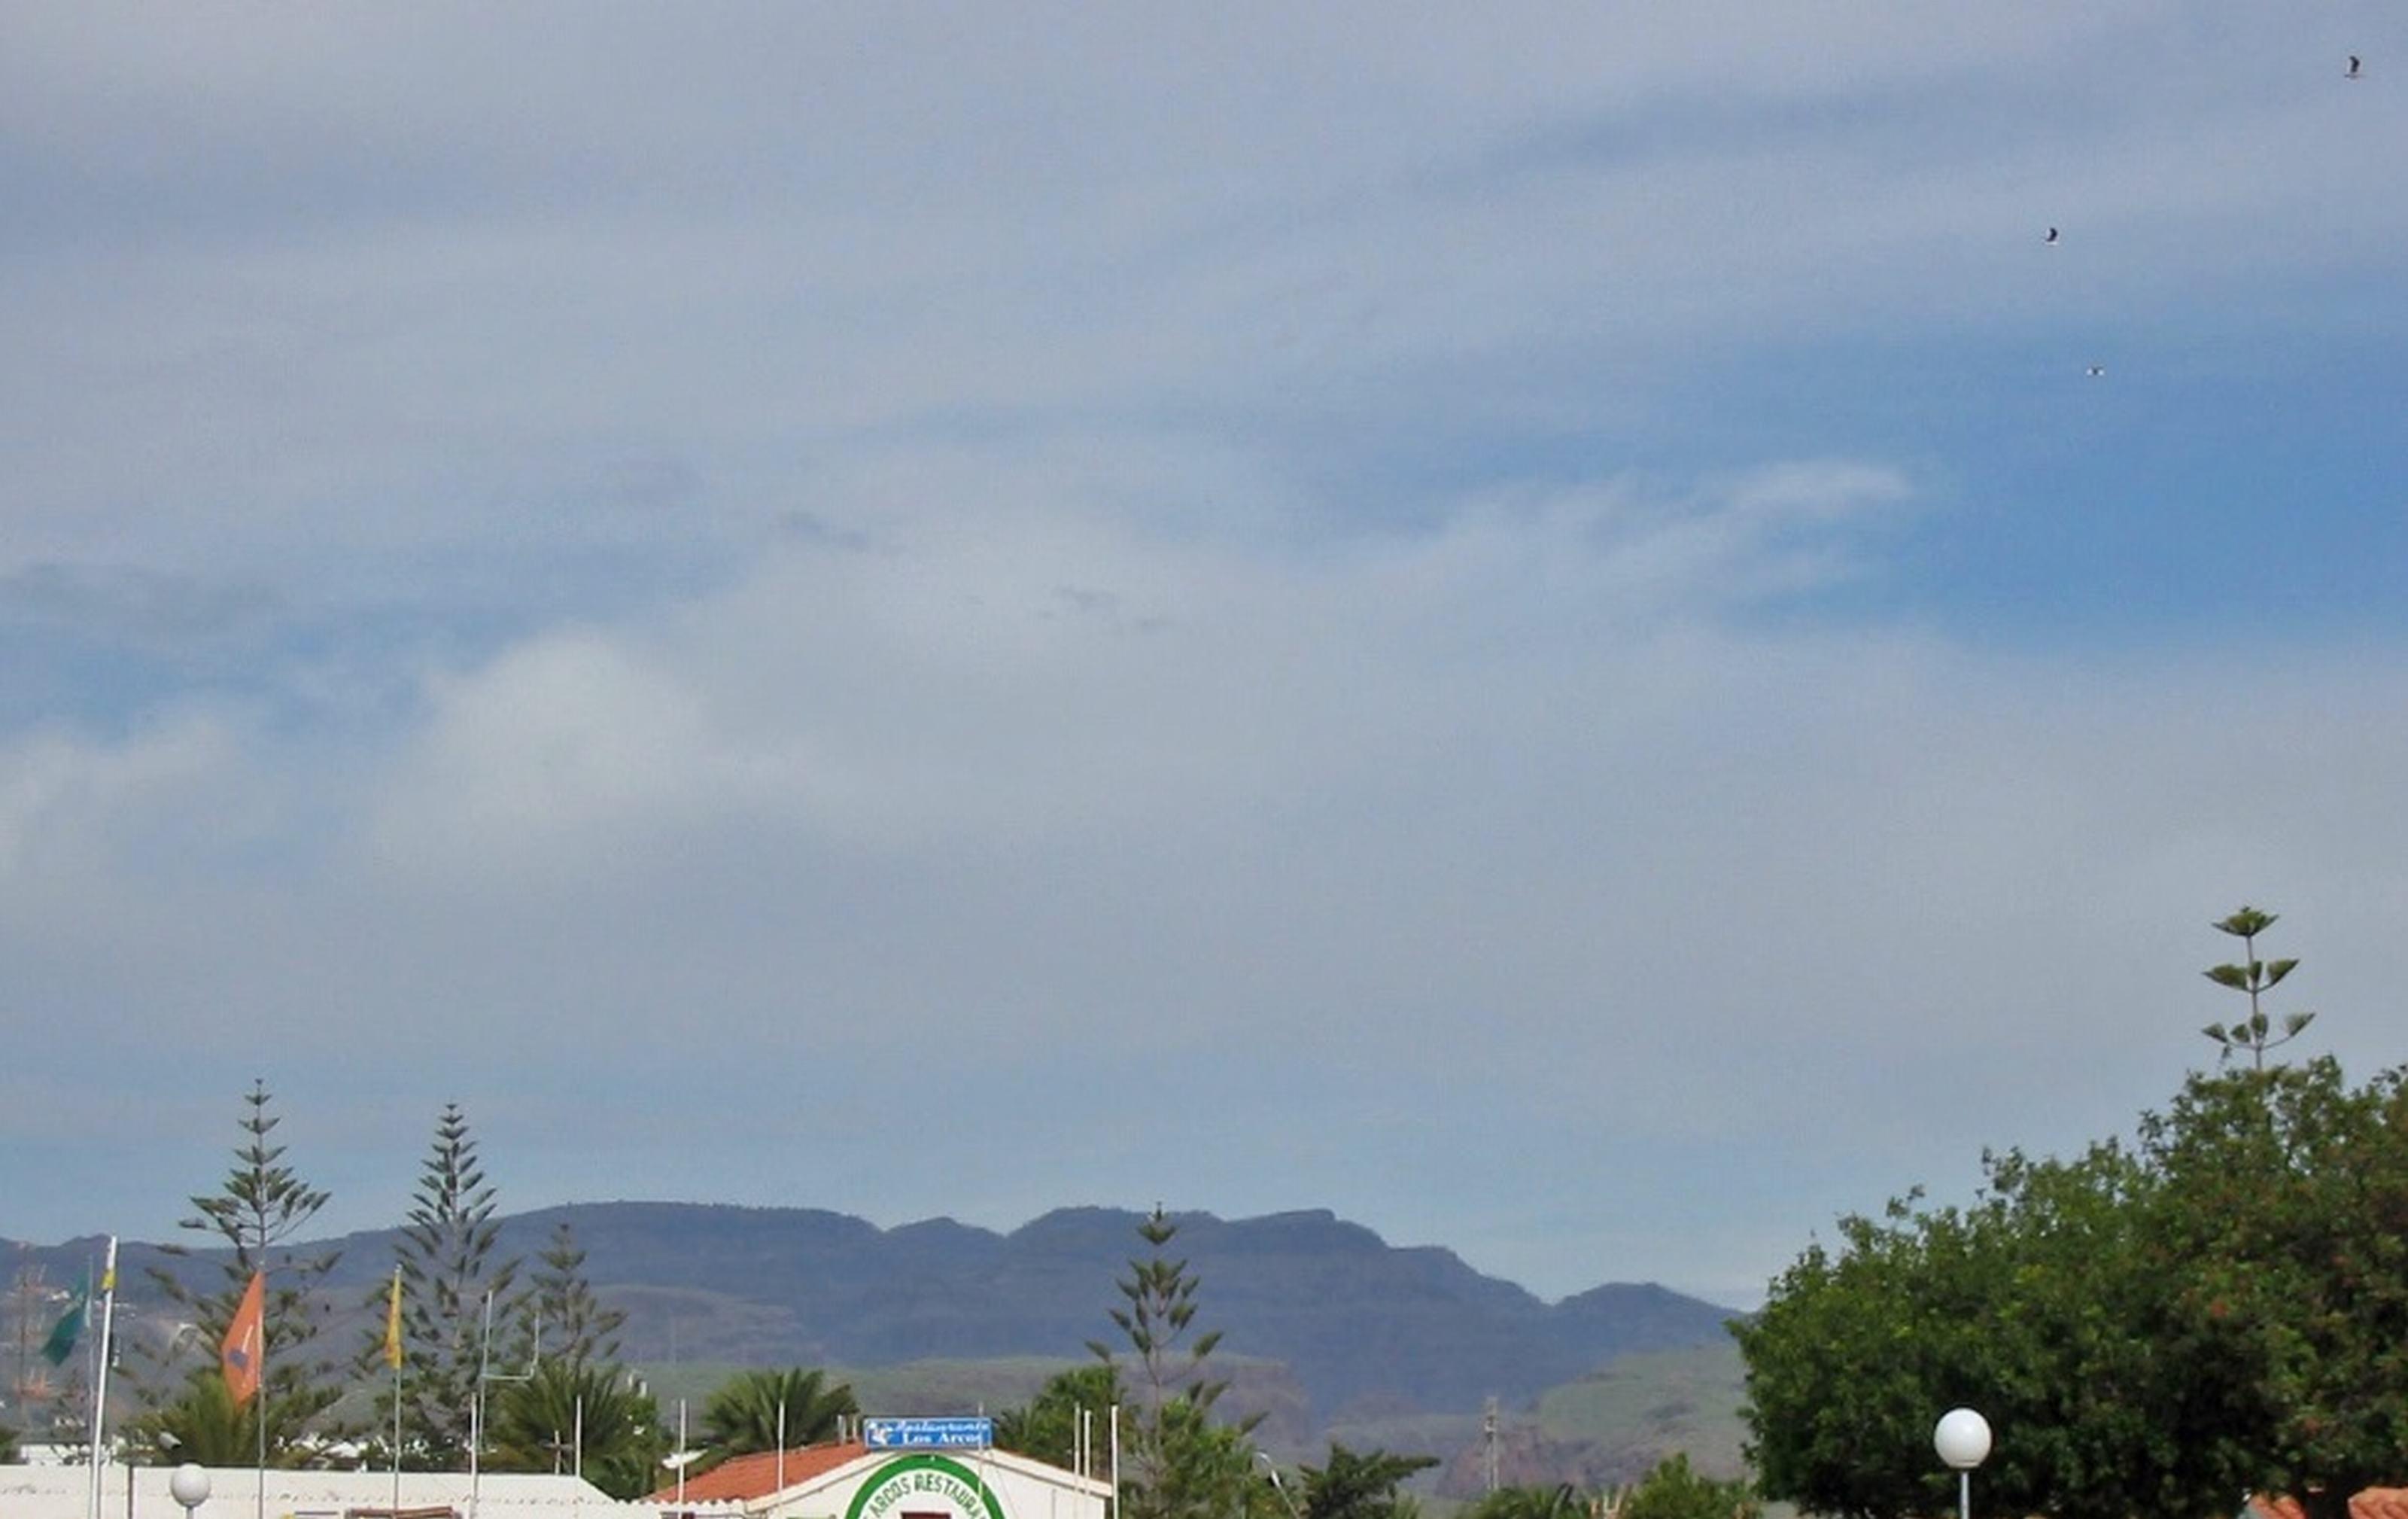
54, 1491
850, 1481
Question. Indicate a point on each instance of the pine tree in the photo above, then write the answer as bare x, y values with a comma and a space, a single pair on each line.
255, 1215
1180, 1465
576, 1328
452, 1289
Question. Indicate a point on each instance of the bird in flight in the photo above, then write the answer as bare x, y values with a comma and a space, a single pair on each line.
2095, 370
2052, 236
2355, 65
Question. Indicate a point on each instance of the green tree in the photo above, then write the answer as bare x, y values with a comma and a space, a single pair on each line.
2217, 1308
8, 1444
254, 1215
2252, 977
1360, 1485
1047, 1426
1177, 1462
2286, 1217
570, 1416
576, 1328
452, 1287
1674, 1491
749, 1409
1561, 1501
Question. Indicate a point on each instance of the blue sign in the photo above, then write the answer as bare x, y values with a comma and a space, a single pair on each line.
927, 1434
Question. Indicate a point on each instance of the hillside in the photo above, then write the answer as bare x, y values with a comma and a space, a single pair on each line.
1334, 1326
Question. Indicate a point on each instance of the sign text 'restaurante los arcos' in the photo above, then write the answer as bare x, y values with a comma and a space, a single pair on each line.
921, 1486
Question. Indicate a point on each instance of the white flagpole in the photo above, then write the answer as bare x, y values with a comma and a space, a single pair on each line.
100, 1378
781, 1445
1116, 1461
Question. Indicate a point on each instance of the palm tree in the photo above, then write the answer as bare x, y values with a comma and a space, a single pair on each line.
744, 1415
1563, 1502
569, 1418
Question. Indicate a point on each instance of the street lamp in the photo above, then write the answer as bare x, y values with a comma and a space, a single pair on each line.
189, 1485
1962, 1437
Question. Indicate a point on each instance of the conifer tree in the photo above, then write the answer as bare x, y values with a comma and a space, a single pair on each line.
576, 1328
255, 1215
1180, 1463
456, 1303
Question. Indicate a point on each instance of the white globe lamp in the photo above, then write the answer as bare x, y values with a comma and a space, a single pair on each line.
189, 1485
1962, 1437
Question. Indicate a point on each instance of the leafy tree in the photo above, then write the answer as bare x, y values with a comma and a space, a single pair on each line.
576, 1328
448, 1278
2286, 1208
2253, 978
746, 1412
255, 1214
1674, 1491
1047, 1426
2217, 1308
570, 1416
1177, 1463
1354, 1485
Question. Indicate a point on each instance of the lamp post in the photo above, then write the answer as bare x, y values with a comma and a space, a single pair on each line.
1962, 1437
189, 1485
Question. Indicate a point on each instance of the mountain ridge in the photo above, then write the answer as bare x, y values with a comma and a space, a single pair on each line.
1357, 1323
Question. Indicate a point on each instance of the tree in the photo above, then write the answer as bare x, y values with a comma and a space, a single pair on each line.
1672, 1491
1562, 1501
2253, 978
255, 1214
2286, 1208
576, 1328
571, 1416
1178, 1463
2154, 1329
1354, 1485
451, 1285
751, 1408
1047, 1426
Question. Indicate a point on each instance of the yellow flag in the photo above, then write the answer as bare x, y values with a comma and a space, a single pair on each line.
392, 1325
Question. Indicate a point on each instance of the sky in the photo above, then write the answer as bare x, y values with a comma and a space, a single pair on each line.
1526, 622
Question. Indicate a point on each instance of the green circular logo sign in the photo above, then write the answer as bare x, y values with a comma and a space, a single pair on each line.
917, 1484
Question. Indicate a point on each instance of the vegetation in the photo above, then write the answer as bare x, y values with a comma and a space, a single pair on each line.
577, 1328
754, 1409
1361, 1484
1674, 1491
262, 1204
1047, 1426
2253, 978
450, 1287
2215, 1309
1177, 1463
1561, 1501
570, 1416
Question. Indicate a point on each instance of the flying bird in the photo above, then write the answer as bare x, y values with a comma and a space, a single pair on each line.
2095, 370
2354, 67
2052, 236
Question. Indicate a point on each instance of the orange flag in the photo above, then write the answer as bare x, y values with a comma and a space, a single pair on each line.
243, 1351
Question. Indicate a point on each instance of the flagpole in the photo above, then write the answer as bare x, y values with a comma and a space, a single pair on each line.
260, 1502
392, 1353
100, 1378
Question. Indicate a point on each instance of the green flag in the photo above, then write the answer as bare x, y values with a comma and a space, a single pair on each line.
61, 1344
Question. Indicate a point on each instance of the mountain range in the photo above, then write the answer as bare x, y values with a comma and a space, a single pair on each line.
1359, 1328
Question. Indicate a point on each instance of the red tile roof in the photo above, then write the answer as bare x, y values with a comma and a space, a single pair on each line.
756, 1475
2374, 1503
